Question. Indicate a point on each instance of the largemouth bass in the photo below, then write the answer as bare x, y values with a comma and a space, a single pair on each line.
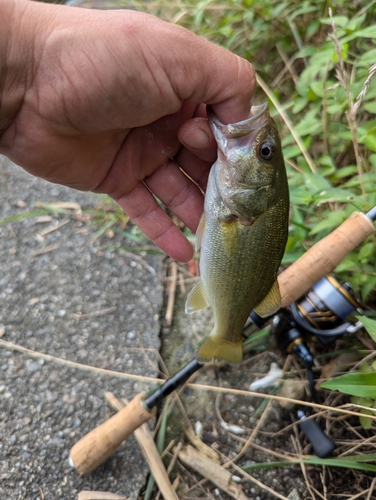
242, 233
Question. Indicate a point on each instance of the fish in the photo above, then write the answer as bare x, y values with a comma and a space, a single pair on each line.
242, 233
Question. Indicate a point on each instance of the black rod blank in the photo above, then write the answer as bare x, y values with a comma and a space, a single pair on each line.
172, 383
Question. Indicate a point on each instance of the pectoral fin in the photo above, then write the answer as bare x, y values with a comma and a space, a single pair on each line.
196, 299
200, 232
271, 303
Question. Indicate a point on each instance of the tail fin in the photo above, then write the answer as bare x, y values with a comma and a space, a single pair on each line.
216, 348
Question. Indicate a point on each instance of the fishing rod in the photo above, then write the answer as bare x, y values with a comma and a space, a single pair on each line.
294, 282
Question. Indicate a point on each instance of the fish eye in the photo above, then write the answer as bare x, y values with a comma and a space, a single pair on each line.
266, 151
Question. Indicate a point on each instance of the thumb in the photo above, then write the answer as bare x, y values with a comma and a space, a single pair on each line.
212, 75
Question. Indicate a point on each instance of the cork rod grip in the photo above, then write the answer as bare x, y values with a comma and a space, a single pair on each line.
323, 257
94, 448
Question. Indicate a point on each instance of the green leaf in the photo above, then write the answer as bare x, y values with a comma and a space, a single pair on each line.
316, 182
348, 462
317, 88
359, 462
332, 221
356, 384
300, 196
291, 152
336, 194
299, 104
369, 32
365, 368
367, 288
355, 23
334, 109
350, 262
369, 140
366, 422
26, 215
370, 325
368, 58
366, 250
361, 401
344, 172
340, 21
370, 107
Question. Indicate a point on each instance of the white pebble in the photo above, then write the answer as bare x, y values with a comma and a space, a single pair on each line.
235, 429
199, 430
270, 380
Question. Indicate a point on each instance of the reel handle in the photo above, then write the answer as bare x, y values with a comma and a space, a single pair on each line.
323, 257
94, 448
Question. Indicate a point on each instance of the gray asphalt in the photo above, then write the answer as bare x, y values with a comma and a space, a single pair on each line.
63, 294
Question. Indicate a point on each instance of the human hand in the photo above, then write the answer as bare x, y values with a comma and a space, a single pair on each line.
107, 99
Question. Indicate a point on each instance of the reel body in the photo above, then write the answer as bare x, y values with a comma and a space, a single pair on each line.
323, 309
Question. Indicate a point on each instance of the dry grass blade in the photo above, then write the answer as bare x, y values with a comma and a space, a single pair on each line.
171, 465
201, 446
343, 78
211, 470
299, 451
77, 366
257, 482
171, 290
61, 205
51, 229
360, 494
253, 435
139, 259
99, 495
259, 425
112, 373
149, 450
94, 314
372, 489
366, 84
45, 250
240, 392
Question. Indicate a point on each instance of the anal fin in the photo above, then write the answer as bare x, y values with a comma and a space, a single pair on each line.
271, 303
196, 299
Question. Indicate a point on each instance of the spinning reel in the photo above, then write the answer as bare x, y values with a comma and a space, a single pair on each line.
321, 312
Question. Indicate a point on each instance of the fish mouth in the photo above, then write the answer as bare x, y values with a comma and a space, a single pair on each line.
258, 117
